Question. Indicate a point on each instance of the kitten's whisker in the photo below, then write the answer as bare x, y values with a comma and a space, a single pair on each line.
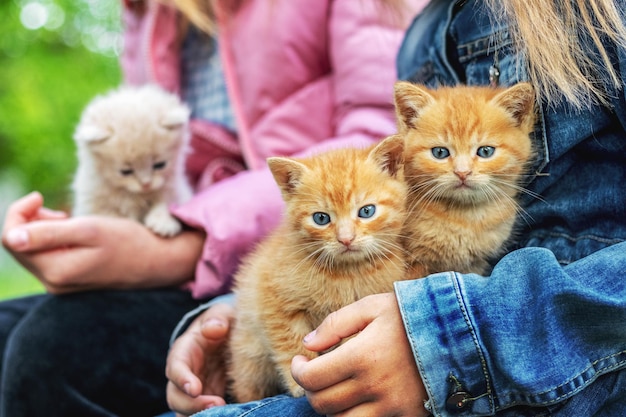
522, 213
519, 189
385, 251
393, 244
500, 195
312, 257
427, 192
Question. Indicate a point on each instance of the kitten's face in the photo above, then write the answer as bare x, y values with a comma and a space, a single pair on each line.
466, 146
134, 136
347, 206
138, 162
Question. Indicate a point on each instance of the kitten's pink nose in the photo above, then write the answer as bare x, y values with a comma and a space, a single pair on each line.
463, 174
346, 240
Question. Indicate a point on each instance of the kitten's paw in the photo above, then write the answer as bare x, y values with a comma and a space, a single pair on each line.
162, 223
296, 390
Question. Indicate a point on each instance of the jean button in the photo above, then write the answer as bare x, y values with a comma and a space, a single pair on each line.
457, 401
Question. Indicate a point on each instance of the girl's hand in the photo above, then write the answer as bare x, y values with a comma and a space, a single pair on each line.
196, 364
372, 374
92, 252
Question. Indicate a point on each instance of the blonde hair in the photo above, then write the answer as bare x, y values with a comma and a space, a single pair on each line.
555, 37
200, 13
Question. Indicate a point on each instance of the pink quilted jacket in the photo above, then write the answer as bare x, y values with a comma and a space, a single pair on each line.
302, 75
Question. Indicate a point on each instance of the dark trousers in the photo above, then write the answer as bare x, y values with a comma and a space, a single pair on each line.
87, 354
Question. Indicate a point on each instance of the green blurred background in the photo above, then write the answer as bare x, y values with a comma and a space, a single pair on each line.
55, 56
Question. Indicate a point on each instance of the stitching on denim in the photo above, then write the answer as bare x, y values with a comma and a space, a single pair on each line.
261, 405
483, 362
577, 238
592, 366
426, 382
543, 153
574, 239
418, 360
485, 45
598, 372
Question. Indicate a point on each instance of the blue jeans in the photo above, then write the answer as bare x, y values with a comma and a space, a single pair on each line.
604, 398
281, 405
91, 354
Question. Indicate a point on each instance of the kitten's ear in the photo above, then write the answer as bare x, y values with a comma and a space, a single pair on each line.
519, 102
410, 99
175, 117
287, 173
90, 134
389, 154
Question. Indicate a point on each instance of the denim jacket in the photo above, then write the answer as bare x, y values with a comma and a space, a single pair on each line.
550, 320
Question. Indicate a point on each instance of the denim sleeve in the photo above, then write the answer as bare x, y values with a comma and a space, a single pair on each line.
191, 315
533, 333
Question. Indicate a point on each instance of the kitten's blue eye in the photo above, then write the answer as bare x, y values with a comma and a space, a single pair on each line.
159, 165
440, 152
126, 172
485, 151
368, 211
321, 218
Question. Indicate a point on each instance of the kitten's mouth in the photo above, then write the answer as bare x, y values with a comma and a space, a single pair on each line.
147, 189
350, 256
350, 250
463, 185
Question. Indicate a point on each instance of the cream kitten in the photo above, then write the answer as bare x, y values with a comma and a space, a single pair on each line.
131, 144
338, 242
467, 149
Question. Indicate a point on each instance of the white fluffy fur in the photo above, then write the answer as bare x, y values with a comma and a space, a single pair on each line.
131, 146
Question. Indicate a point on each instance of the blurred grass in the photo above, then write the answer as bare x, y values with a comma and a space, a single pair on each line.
41, 107
37, 147
15, 281
47, 76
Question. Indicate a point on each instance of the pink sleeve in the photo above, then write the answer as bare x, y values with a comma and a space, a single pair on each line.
235, 213
365, 38
147, 58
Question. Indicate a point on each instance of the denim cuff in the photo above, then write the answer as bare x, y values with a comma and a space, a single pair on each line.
445, 345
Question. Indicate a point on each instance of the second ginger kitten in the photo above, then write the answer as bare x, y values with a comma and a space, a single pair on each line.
467, 150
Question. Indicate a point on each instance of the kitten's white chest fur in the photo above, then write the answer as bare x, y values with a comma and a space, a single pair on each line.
131, 147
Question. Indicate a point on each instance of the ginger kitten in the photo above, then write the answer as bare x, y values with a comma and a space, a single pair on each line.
339, 241
466, 150
131, 145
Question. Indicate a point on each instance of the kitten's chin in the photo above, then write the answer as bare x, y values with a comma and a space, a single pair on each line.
143, 190
467, 197
350, 255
